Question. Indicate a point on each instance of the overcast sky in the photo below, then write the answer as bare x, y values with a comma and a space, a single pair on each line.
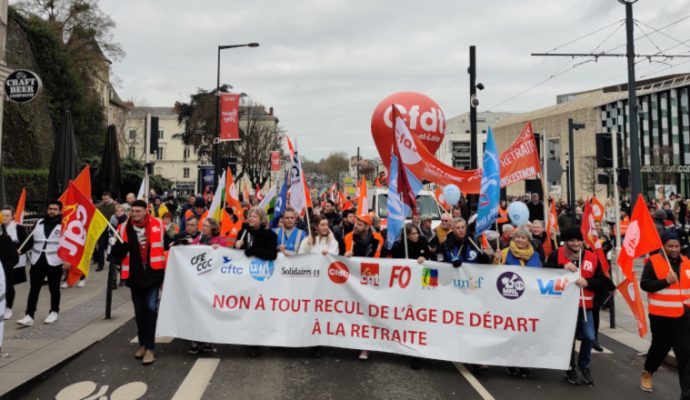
325, 65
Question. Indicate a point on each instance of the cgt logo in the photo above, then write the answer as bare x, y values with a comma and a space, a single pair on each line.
261, 270
429, 278
229, 268
370, 274
553, 287
202, 264
338, 272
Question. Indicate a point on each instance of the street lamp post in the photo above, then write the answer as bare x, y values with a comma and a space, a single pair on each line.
572, 127
216, 148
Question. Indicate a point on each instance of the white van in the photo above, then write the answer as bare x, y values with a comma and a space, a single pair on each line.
426, 204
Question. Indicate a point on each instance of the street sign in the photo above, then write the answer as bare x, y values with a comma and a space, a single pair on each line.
22, 86
554, 171
555, 191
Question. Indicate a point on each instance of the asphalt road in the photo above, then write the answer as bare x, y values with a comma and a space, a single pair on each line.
108, 370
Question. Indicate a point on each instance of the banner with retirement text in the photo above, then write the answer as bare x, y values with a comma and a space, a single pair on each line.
480, 314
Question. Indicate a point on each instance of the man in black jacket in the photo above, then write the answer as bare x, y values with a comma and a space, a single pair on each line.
459, 247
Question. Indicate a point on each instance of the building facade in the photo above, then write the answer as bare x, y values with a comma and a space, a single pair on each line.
664, 131
455, 148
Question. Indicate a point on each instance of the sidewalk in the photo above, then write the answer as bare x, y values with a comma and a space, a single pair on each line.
35, 350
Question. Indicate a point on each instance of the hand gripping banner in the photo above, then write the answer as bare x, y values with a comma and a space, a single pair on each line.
482, 314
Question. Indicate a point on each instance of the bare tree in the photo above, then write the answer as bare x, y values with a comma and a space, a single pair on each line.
334, 165
589, 175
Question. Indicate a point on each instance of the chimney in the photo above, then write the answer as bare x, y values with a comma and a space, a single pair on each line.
270, 110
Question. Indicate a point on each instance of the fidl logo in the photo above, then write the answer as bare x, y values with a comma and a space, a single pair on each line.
429, 278
553, 287
261, 270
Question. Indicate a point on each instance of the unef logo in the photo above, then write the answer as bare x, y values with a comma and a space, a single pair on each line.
338, 272
400, 274
370, 274
261, 270
429, 278
553, 287
510, 285
201, 264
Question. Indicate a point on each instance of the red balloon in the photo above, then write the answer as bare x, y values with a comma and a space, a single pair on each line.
424, 119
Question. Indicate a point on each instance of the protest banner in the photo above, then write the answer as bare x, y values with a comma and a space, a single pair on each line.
483, 314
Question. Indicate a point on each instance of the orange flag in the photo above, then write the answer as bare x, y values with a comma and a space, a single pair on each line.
439, 197
82, 225
591, 237
19, 214
597, 209
83, 184
640, 239
232, 199
362, 203
245, 194
630, 290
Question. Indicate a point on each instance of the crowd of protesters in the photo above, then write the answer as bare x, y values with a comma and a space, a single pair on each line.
149, 228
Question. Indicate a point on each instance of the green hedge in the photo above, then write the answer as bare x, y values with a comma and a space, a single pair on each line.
34, 180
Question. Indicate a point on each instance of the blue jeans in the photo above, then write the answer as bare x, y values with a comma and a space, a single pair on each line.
145, 301
585, 332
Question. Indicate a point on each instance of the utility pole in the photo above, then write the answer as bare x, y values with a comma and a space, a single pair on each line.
635, 164
357, 162
472, 70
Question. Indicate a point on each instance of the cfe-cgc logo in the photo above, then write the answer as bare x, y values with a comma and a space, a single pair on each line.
510, 285
202, 264
261, 270
553, 287
229, 268
370, 274
429, 278
338, 272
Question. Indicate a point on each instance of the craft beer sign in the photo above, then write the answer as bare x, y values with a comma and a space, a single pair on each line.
22, 86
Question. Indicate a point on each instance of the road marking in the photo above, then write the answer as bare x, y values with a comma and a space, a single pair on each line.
159, 340
474, 382
196, 381
606, 351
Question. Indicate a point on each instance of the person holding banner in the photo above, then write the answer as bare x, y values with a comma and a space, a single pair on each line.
141, 255
322, 241
417, 246
289, 236
190, 233
255, 239
459, 247
210, 234
666, 279
574, 258
520, 251
45, 263
11, 237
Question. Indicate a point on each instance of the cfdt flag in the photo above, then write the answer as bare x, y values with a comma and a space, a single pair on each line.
275, 161
82, 225
640, 239
490, 191
229, 116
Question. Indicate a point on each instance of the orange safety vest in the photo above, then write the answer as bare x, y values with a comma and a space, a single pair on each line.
349, 245
668, 302
502, 216
156, 248
624, 225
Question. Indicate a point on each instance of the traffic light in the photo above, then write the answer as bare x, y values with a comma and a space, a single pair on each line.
605, 150
624, 178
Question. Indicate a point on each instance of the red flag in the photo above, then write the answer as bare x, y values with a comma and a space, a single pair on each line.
641, 237
83, 184
630, 291
19, 214
82, 225
591, 238
404, 188
229, 116
257, 193
275, 161
441, 201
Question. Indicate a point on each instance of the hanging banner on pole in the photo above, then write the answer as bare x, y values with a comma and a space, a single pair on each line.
275, 161
229, 116
480, 314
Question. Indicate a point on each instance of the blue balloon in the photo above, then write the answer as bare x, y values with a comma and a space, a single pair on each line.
451, 194
518, 213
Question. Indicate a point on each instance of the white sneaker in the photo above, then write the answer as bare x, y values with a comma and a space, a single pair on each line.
64, 285
8, 313
364, 355
26, 321
52, 317
81, 283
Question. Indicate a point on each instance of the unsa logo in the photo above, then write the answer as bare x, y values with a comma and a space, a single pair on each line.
338, 272
632, 238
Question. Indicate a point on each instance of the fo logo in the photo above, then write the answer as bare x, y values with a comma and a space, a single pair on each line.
429, 278
338, 272
510, 285
261, 270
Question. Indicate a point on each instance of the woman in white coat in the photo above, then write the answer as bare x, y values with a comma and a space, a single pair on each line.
321, 241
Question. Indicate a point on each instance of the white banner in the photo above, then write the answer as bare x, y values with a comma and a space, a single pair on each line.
481, 314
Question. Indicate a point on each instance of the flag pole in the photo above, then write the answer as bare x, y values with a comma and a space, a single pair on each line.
582, 291
306, 213
405, 239
27, 239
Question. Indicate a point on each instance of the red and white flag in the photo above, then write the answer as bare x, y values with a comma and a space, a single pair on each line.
630, 290
591, 237
257, 193
229, 116
641, 238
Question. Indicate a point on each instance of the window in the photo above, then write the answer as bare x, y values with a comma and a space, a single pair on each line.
160, 154
160, 134
185, 154
132, 134
185, 172
130, 151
